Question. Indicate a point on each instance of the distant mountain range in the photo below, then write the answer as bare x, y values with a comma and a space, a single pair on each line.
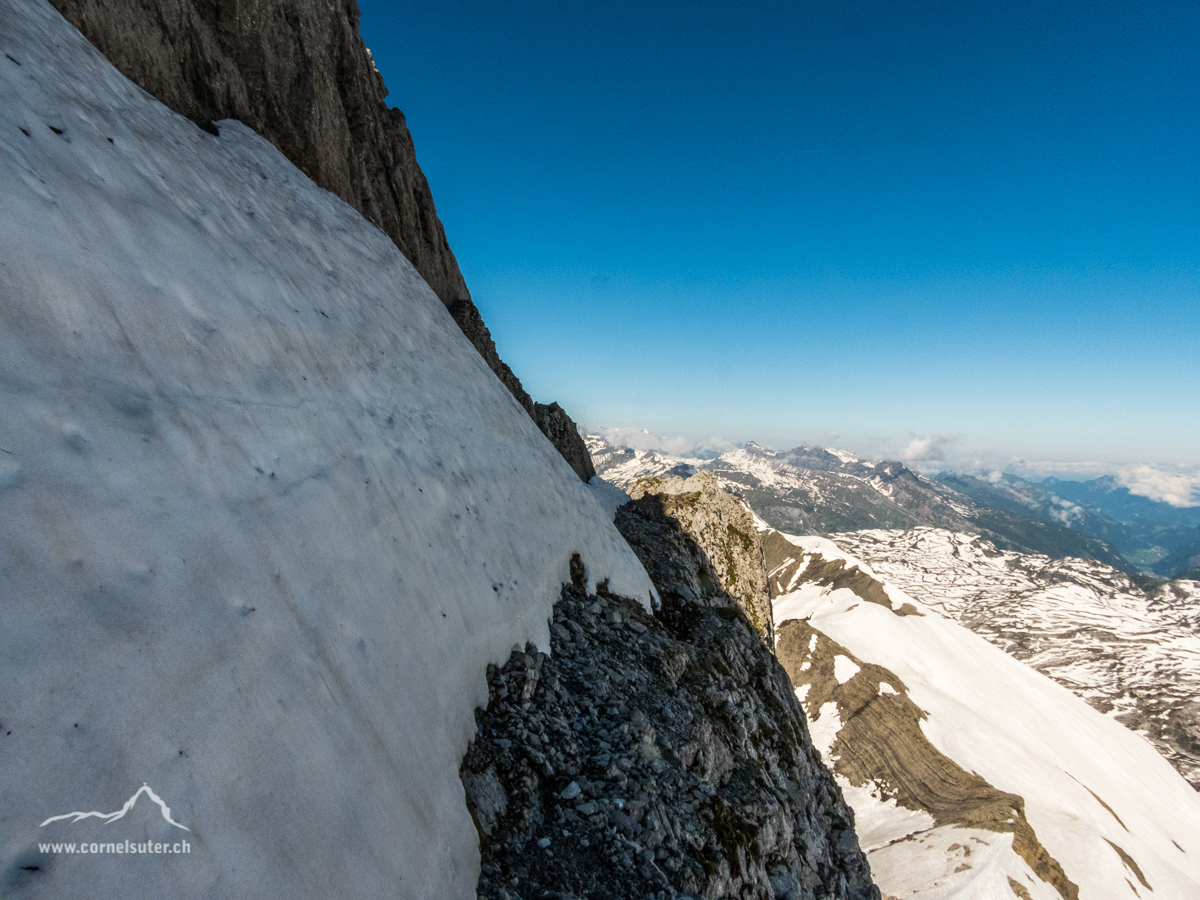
813, 490
1152, 535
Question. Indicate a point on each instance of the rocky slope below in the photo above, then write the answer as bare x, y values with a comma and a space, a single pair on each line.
299, 74
654, 756
971, 775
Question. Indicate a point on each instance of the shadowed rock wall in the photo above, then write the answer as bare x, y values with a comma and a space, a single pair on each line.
654, 756
723, 527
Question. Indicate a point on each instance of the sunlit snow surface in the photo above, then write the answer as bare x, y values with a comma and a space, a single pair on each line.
265, 515
1079, 621
1022, 733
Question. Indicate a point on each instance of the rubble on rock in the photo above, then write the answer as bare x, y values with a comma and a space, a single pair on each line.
655, 755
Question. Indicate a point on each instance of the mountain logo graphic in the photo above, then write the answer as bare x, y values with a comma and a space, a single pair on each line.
109, 818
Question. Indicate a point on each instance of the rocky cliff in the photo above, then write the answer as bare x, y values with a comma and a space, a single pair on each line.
654, 755
298, 73
723, 528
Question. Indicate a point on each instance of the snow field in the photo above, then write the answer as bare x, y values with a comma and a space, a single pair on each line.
1024, 734
265, 515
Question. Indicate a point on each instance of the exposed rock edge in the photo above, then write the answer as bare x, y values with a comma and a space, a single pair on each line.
654, 756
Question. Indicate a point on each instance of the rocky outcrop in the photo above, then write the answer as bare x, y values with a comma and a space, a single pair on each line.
300, 75
655, 755
471, 323
555, 424
724, 529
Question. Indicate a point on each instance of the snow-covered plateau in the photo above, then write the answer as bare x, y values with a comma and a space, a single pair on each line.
265, 515
971, 774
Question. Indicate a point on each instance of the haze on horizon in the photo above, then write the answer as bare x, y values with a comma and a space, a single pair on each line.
970, 228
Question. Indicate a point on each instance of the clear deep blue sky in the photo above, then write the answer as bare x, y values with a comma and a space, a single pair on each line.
850, 224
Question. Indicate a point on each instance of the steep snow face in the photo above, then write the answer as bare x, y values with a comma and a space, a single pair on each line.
265, 515
1084, 624
971, 774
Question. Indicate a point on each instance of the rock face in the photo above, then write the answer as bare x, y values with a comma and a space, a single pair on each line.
555, 424
298, 73
654, 756
723, 527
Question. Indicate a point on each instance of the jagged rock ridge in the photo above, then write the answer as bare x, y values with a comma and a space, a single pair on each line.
654, 755
300, 75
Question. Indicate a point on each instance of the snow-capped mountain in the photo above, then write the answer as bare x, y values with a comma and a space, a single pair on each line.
1133, 655
1130, 649
971, 774
812, 490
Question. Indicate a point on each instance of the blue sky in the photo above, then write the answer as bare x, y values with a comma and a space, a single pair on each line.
865, 227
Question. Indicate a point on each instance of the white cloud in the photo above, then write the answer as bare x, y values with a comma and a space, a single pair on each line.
641, 439
1071, 471
1066, 512
1176, 485
928, 448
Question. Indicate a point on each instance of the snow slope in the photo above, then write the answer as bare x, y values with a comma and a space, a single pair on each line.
265, 515
1133, 656
1102, 803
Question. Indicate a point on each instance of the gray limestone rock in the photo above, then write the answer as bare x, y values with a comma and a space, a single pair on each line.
655, 756
723, 527
555, 424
